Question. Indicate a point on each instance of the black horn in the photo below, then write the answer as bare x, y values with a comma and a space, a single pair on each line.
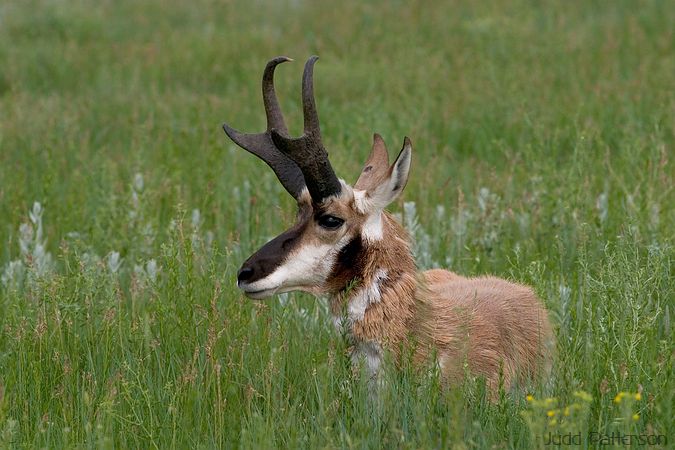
307, 151
261, 144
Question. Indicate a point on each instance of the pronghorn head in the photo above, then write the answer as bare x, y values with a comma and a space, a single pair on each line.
335, 221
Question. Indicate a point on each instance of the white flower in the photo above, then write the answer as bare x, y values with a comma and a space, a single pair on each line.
13, 273
25, 238
486, 200
565, 293
654, 212
36, 262
36, 213
90, 259
36, 217
135, 203
42, 260
602, 205
114, 261
196, 218
138, 182
138, 271
440, 213
208, 239
151, 269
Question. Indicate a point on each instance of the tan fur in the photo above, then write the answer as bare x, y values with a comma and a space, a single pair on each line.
497, 328
388, 321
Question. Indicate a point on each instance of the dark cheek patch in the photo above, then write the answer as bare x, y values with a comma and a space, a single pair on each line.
349, 255
348, 265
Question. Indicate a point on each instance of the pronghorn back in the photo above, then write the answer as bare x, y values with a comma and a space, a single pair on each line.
499, 328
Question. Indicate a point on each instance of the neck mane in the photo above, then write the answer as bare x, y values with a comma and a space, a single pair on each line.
374, 295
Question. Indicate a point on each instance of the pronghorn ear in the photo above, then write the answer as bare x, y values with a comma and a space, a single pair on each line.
395, 179
375, 169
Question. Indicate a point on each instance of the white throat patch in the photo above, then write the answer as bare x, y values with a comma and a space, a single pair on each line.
366, 296
372, 230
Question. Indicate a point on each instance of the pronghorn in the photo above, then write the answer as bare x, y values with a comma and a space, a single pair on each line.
344, 245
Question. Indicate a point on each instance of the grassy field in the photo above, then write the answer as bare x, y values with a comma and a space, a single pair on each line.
543, 140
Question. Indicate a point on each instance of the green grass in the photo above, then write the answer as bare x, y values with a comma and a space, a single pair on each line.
543, 147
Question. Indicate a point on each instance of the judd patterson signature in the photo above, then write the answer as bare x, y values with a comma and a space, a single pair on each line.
596, 438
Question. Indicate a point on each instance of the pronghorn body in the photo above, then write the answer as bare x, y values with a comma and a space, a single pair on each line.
497, 328
344, 245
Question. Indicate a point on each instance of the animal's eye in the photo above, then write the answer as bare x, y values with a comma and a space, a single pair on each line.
330, 222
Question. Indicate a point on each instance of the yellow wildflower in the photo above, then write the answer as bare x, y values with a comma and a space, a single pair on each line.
636, 417
638, 396
619, 397
529, 397
551, 413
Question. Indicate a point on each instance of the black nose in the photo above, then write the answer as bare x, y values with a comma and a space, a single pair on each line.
245, 273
